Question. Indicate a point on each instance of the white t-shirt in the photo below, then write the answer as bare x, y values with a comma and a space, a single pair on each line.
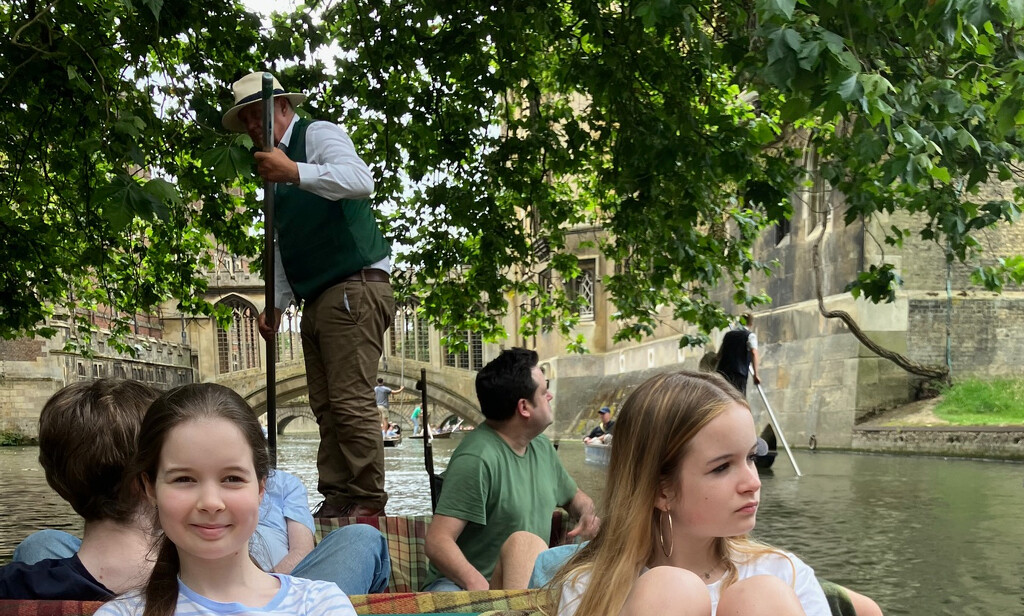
805, 583
297, 597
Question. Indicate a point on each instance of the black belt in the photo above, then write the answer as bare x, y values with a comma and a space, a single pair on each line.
368, 275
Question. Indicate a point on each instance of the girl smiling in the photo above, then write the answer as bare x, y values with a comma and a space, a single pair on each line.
203, 462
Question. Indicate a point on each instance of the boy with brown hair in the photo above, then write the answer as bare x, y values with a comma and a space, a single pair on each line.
87, 435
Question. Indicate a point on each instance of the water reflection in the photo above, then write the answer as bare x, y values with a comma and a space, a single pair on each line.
920, 535
26, 502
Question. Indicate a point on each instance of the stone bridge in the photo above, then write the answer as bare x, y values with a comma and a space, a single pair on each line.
288, 414
450, 391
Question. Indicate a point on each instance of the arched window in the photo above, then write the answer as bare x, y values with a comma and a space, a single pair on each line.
238, 347
289, 338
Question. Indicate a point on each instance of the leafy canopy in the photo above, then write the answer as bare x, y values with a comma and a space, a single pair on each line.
105, 108
496, 128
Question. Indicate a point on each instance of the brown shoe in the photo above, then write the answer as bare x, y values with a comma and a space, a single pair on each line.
328, 510
362, 511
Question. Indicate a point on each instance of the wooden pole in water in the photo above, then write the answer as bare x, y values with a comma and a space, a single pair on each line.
778, 430
268, 270
428, 438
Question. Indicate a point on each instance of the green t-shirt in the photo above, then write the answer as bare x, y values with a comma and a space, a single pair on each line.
498, 492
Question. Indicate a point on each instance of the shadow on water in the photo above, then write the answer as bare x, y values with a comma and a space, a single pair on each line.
923, 536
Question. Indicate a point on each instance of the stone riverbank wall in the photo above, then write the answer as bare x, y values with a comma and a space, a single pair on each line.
994, 443
33, 369
819, 379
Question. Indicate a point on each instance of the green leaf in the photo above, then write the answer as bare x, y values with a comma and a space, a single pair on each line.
874, 85
154, 6
940, 173
794, 108
1014, 11
783, 8
1006, 112
966, 140
793, 39
164, 196
834, 42
115, 202
228, 162
850, 89
810, 51
975, 12
908, 135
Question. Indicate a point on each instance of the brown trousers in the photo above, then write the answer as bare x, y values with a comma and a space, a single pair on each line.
342, 339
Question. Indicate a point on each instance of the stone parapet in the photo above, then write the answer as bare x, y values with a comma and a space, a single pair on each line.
33, 369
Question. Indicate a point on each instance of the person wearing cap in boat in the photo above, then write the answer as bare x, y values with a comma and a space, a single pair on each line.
501, 486
332, 256
602, 430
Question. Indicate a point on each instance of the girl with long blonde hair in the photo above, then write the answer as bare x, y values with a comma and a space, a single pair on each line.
681, 496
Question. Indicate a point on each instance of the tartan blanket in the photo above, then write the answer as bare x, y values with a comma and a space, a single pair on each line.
406, 535
493, 603
466, 602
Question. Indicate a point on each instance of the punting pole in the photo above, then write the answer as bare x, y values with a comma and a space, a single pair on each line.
428, 438
268, 269
778, 430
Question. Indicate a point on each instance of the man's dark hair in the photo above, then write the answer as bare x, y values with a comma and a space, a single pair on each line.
506, 380
380, 381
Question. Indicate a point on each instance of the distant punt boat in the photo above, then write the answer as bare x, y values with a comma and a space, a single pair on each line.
392, 441
765, 462
600, 454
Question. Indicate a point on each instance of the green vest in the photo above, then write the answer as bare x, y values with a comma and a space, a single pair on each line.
322, 241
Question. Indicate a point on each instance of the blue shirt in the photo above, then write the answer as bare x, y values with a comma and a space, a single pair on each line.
284, 499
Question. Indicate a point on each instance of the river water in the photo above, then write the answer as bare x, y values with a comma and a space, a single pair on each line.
922, 536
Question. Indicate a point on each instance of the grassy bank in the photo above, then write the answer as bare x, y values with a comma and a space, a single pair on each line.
973, 402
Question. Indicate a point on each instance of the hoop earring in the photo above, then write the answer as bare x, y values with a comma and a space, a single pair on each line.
667, 551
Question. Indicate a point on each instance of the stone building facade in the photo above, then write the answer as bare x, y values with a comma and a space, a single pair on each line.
820, 381
33, 369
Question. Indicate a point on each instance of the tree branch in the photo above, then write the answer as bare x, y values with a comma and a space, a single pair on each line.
904, 362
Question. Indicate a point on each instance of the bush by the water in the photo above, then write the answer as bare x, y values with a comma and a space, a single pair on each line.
14, 439
973, 402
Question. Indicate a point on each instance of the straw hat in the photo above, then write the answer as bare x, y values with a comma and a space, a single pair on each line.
249, 89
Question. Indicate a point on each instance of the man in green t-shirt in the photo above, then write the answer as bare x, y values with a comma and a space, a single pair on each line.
502, 484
